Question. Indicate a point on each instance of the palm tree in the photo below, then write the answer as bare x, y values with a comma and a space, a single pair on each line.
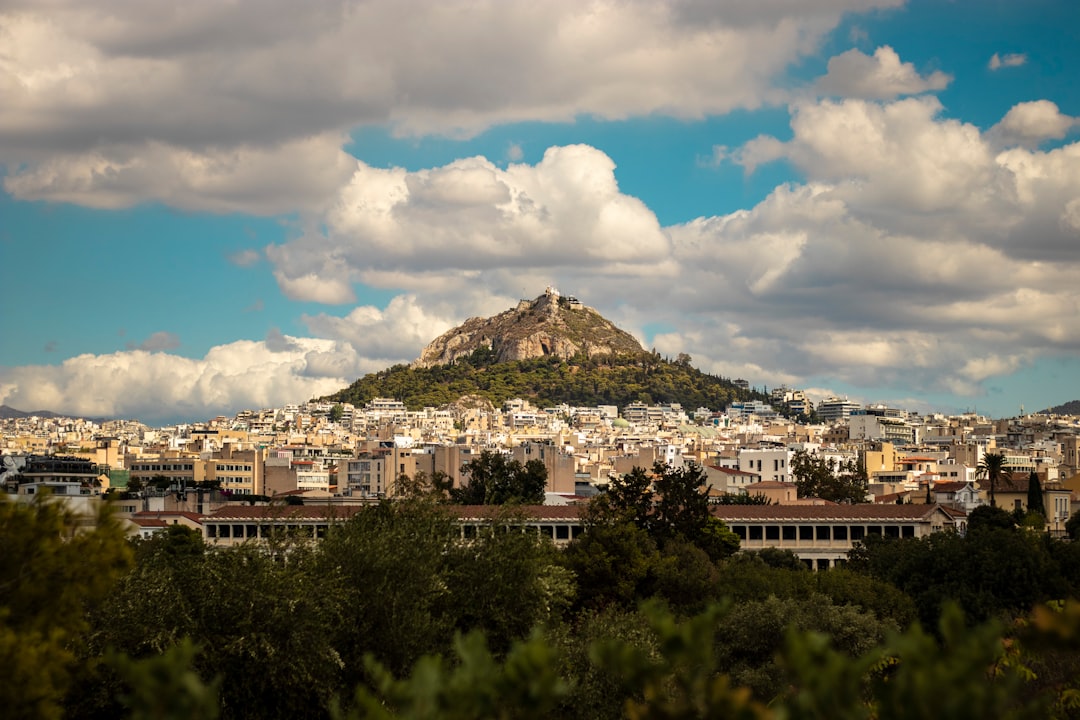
992, 467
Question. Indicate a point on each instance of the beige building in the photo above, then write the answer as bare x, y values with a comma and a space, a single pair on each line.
822, 535
241, 472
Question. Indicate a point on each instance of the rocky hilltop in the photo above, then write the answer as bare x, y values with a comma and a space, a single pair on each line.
552, 325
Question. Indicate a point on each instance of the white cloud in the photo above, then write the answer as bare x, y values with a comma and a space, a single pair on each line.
1008, 60
914, 256
881, 77
395, 334
566, 212
1029, 124
299, 174
243, 106
159, 386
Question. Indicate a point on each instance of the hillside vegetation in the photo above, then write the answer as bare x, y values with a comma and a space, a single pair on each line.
547, 381
1070, 408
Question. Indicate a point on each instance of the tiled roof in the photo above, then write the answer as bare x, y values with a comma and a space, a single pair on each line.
345, 512
863, 511
194, 517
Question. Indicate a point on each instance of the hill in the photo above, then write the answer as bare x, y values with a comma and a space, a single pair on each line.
9, 413
552, 325
546, 381
549, 351
1070, 408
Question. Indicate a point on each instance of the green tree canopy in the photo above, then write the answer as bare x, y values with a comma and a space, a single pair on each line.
816, 476
992, 469
52, 570
497, 479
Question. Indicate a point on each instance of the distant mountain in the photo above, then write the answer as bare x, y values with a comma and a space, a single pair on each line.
549, 326
10, 413
550, 350
1070, 408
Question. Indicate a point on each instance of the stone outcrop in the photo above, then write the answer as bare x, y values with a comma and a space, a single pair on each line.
550, 325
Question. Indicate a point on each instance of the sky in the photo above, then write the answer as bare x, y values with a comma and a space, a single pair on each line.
207, 207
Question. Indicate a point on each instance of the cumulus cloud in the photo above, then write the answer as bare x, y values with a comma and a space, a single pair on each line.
1008, 60
202, 106
159, 387
1029, 124
880, 77
395, 334
915, 254
472, 217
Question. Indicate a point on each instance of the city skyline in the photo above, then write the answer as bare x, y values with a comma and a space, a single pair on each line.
216, 207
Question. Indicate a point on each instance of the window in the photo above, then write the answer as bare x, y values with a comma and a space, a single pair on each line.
755, 532
789, 532
824, 532
740, 530
839, 532
892, 531
806, 532
772, 532
907, 531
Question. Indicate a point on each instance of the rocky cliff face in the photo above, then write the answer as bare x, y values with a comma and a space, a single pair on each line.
550, 325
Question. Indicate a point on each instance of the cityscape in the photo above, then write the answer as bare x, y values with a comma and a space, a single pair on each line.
584, 359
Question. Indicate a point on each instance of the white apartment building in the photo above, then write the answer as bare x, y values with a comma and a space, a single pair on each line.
769, 464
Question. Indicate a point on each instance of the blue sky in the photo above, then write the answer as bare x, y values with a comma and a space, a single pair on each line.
212, 207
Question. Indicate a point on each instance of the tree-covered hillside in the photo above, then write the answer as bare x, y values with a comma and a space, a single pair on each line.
581, 381
1070, 408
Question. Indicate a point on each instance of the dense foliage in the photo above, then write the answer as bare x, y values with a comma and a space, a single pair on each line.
816, 476
581, 381
494, 478
392, 615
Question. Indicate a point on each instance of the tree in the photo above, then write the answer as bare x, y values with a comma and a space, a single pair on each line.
612, 562
1035, 495
629, 498
992, 468
683, 505
496, 479
505, 582
817, 477
678, 509
1072, 526
336, 413
51, 571
437, 485
987, 517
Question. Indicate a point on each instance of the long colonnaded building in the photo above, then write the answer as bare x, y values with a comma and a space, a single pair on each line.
820, 535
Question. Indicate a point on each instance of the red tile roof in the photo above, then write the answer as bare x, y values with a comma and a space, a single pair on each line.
344, 512
862, 512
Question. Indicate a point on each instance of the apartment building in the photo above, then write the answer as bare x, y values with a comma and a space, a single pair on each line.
772, 464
